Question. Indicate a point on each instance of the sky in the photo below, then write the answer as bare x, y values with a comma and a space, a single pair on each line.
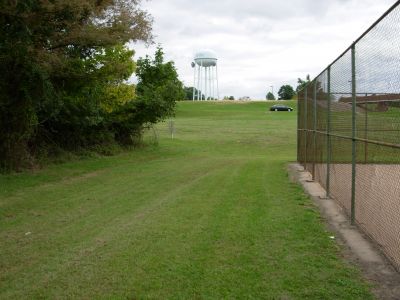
260, 44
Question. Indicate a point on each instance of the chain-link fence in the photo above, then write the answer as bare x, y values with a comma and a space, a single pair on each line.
349, 131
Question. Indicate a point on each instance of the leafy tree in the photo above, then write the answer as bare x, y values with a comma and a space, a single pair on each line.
189, 93
270, 96
159, 85
302, 83
286, 92
157, 91
82, 116
117, 95
51, 64
229, 98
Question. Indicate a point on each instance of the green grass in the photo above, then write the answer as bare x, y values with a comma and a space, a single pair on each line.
209, 214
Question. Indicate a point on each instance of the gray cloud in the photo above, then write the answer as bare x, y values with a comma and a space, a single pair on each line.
259, 42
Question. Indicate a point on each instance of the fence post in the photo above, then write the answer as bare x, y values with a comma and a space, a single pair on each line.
366, 131
314, 127
305, 126
328, 131
298, 126
353, 134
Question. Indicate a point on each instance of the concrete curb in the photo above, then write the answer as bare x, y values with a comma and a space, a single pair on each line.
358, 248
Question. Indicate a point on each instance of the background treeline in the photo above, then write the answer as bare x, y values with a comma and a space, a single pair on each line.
65, 67
286, 91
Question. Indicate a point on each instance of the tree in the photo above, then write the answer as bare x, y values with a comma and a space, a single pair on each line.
270, 96
228, 98
84, 108
157, 91
302, 83
158, 85
189, 93
286, 92
48, 50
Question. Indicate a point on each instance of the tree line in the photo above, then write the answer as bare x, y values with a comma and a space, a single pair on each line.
65, 68
286, 92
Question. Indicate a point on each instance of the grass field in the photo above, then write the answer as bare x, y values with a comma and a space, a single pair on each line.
209, 214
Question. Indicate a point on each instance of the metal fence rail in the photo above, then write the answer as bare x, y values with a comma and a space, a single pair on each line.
349, 131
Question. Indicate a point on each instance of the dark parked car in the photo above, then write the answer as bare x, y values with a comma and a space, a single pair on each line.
280, 107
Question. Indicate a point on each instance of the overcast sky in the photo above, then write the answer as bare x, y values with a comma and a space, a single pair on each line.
259, 43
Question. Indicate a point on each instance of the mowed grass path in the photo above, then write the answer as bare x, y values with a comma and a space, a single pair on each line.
208, 215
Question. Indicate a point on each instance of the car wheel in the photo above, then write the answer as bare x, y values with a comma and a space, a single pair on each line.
276, 109
290, 110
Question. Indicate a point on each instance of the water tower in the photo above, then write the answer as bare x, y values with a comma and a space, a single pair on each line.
205, 76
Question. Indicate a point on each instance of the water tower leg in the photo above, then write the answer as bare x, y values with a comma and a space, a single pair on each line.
194, 83
216, 70
213, 82
198, 83
206, 83
209, 83
202, 81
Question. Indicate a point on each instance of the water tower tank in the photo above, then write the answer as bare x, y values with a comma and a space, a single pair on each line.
206, 58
